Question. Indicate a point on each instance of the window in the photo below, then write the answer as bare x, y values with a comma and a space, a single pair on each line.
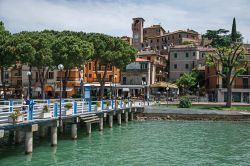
175, 55
245, 83
124, 79
145, 31
89, 66
151, 41
202, 55
51, 75
179, 35
181, 74
90, 75
175, 66
168, 38
157, 40
37, 77
148, 58
142, 45
110, 78
187, 55
172, 37
193, 53
157, 47
186, 66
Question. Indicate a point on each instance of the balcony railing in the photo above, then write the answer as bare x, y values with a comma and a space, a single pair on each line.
134, 70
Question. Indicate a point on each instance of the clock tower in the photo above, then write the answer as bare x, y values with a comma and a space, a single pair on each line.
137, 28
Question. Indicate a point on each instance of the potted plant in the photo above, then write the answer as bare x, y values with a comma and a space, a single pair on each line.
117, 104
16, 116
125, 103
68, 109
45, 112
108, 105
98, 106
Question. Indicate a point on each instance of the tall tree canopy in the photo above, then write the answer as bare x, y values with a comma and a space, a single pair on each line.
6, 60
109, 51
71, 51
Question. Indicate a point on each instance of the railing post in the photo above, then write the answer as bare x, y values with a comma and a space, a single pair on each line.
31, 103
48, 102
102, 104
90, 103
11, 106
75, 107
120, 103
112, 103
55, 110
83, 102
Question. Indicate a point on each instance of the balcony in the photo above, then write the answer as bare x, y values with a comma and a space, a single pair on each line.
245, 86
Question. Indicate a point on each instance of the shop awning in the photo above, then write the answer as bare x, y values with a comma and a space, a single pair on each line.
67, 89
125, 89
163, 85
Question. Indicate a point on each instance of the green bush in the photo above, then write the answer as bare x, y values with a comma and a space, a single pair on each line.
185, 102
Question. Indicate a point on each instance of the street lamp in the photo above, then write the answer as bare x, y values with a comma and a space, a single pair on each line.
115, 76
144, 89
60, 67
28, 74
198, 86
167, 88
160, 75
81, 83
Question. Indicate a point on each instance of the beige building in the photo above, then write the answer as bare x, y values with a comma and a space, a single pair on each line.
156, 38
185, 58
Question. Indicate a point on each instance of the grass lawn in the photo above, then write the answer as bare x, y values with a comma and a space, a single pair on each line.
215, 107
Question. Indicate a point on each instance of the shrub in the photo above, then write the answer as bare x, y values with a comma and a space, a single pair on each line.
98, 104
45, 109
15, 114
185, 102
68, 106
108, 103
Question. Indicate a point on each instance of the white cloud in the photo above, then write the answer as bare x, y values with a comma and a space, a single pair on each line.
115, 17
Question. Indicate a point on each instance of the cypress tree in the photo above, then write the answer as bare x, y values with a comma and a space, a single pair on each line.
234, 33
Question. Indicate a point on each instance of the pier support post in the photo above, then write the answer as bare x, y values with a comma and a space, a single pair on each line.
42, 131
110, 120
74, 131
126, 117
61, 127
101, 124
119, 118
54, 133
28, 142
18, 137
29, 138
131, 116
88, 128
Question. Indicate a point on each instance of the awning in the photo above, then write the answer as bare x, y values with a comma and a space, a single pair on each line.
163, 85
67, 89
125, 89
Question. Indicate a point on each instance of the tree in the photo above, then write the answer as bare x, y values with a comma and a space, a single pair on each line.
6, 59
109, 51
188, 81
228, 60
234, 32
71, 51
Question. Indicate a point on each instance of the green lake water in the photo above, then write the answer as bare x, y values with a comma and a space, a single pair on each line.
188, 143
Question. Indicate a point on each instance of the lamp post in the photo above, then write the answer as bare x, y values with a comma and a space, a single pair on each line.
81, 83
160, 75
198, 86
167, 89
28, 74
60, 67
144, 86
115, 76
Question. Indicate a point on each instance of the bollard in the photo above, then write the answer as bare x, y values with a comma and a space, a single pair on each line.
131, 116
74, 131
11, 106
102, 104
75, 107
55, 110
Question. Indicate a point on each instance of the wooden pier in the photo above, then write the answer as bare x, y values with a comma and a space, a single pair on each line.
81, 112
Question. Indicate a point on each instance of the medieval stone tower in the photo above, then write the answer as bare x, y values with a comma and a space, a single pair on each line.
137, 29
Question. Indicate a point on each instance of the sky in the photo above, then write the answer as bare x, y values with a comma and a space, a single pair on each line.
114, 17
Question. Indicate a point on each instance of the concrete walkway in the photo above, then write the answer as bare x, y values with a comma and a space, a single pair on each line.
157, 109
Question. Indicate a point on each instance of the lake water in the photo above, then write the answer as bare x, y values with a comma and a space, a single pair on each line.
142, 143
